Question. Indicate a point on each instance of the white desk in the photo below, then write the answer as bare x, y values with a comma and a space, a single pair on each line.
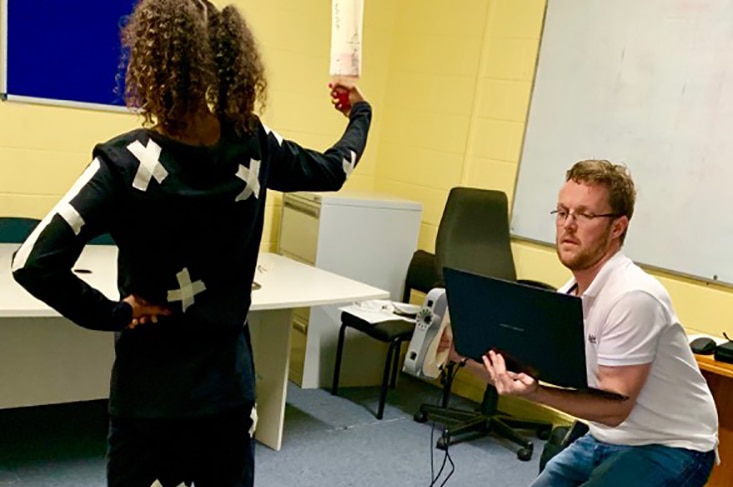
45, 359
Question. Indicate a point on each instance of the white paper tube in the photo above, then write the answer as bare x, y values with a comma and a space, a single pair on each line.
347, 18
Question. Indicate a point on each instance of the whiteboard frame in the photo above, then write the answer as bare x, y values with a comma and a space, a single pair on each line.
3, 47
659, 270
66, 103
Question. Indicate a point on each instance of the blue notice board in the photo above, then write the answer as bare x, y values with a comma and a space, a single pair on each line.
63, 52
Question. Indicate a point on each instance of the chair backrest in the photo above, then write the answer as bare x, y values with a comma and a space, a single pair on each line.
421, 275
474, 234
16, 229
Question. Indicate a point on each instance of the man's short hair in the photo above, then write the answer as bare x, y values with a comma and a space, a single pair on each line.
615, 177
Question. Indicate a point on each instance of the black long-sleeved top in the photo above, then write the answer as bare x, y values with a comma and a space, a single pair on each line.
187, 221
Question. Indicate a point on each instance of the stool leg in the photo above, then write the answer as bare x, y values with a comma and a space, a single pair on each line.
385, 380
396, 364
337, 367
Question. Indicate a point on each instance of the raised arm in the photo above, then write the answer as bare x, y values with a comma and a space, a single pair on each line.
294, 168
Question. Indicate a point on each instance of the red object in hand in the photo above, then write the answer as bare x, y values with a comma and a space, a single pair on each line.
343, 98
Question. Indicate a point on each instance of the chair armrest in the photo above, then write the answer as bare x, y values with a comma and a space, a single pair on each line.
539, 284
578, 429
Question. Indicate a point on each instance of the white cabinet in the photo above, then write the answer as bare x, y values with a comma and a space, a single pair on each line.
363, 236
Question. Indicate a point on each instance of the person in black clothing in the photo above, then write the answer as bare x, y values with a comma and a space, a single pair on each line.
184, 199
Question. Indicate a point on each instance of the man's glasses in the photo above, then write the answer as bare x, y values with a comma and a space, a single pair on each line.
581, 217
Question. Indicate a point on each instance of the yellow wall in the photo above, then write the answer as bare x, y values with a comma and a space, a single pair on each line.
450, 83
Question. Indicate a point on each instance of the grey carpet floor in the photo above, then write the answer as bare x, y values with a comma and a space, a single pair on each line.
328, 441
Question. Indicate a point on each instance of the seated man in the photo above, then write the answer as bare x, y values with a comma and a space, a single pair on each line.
666, 432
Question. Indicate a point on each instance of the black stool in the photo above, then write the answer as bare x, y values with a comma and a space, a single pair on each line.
393, 332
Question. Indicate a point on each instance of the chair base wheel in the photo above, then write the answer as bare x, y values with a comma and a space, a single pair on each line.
443, 442
544, 433
524, 454
420, 417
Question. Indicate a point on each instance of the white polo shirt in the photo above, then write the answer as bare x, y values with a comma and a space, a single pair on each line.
629, 320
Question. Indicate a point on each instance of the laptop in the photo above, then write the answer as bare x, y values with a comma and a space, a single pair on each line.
537, 331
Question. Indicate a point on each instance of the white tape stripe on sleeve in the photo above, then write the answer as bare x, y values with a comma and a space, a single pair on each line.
72, 217
349, 164
21, 257
277, 136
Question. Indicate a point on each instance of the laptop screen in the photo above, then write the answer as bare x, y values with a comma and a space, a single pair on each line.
537, 331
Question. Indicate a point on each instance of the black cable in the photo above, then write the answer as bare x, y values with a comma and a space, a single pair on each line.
446, 458
433, 478
430, 449
452, 467
442, 467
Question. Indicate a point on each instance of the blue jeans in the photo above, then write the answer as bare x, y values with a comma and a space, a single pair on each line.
590, 463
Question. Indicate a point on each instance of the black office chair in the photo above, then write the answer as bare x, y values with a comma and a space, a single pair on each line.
474, 236
16, 229
420, 277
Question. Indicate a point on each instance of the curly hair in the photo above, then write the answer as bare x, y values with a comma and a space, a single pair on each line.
185, 56
615, 177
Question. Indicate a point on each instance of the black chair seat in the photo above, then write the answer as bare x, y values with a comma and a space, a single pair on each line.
385, 331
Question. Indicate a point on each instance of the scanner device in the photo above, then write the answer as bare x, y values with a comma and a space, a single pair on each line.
423, 359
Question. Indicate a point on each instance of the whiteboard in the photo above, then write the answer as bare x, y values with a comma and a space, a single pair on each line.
648, 84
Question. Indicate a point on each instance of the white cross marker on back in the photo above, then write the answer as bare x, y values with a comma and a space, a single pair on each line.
250, 177
349, 165
187, 289
150, 166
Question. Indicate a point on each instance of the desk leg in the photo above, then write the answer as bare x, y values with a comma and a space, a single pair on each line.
722, 389
270, 332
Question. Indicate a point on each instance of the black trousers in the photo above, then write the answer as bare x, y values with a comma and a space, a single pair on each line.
209, 451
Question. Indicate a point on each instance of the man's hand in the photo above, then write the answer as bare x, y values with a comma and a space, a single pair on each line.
143, 312
508, 383
344, 94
